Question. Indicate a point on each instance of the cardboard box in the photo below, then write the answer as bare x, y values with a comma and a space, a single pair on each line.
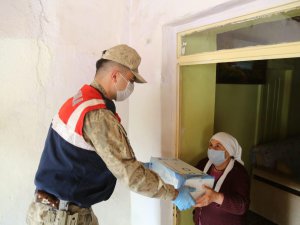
177, 173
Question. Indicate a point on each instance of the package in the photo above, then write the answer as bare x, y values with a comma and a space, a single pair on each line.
177, 173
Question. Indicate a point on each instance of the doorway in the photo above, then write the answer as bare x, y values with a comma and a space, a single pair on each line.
206, 106
254, 111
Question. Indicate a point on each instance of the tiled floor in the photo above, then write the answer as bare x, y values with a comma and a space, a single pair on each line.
255, 219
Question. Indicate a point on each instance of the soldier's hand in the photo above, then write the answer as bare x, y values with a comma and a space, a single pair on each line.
184, 199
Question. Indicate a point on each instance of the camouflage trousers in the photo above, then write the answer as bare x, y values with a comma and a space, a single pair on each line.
41, 214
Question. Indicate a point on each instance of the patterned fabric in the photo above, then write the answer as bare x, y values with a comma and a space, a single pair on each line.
40, 214
126, 56
109, 138
282, 155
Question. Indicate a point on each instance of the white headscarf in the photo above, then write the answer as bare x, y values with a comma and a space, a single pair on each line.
234, 150
230, 144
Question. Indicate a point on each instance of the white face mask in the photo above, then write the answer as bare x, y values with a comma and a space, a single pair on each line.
123, 94
216, 157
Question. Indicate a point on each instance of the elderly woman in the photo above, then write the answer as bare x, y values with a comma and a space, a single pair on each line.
228, 201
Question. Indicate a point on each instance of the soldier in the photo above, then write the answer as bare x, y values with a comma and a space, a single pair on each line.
87, 149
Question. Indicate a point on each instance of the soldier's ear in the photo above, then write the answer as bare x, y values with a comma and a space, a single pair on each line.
113, 76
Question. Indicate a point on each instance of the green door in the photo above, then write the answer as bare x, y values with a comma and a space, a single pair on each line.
196, 115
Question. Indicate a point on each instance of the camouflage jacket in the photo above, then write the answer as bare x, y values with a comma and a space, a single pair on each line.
103, 131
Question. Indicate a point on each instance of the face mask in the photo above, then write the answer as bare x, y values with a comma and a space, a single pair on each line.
122, 95
216, 157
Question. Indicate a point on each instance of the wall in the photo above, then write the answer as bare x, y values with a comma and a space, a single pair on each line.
237, 112
148, 21
47, 51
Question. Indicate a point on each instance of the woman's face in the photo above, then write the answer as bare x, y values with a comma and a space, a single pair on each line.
216, 145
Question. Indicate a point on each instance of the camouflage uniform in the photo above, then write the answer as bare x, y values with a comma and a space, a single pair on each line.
40, 214
103, 131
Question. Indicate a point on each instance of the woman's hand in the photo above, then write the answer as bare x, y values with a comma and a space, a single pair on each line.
209, 197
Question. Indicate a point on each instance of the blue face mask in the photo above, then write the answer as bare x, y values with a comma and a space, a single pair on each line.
216, 157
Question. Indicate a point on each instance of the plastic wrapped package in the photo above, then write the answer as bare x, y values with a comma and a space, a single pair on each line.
177, 173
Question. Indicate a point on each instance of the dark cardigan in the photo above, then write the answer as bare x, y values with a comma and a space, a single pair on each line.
236, 190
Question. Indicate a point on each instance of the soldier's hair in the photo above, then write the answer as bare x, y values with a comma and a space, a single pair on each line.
100, 63
103, 65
